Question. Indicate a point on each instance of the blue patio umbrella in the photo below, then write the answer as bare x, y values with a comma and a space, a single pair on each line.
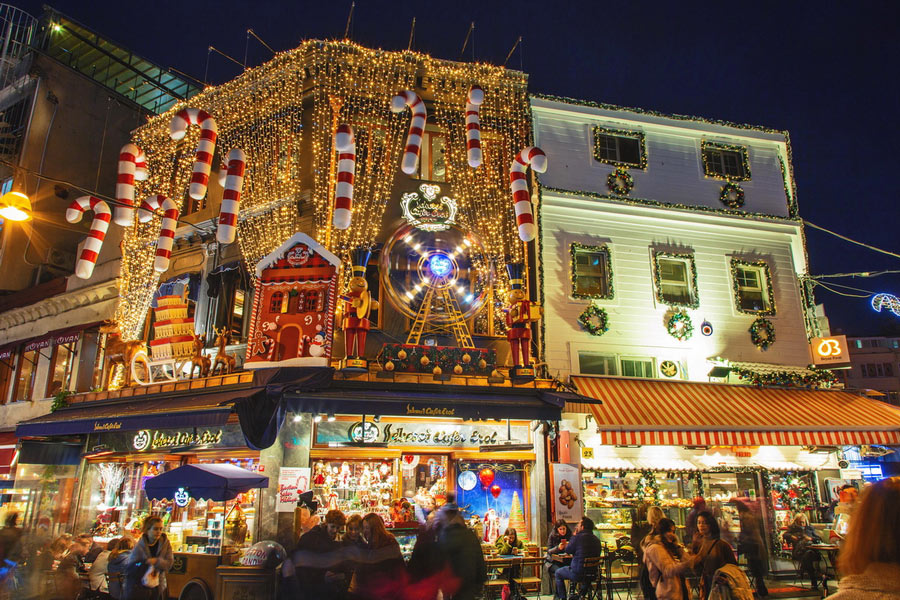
209, 482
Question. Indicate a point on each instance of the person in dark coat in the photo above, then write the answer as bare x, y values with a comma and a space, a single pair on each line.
466, 569
583, 545
152, 550
640, 528
556, 545
690, 524
752, 546
118, 562
320, 539
710, 550
800, 535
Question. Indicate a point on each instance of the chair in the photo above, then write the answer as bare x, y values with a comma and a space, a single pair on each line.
529, 578
498, 579
590, 586
627, 564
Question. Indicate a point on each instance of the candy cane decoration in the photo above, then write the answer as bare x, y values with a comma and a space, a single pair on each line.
535, 157
132, 166
166, 233
473, 126
346, 170
232, 179
205, 147
94, 241
416, 128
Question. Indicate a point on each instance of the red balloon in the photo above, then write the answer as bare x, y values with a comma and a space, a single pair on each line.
486, 476
495, 490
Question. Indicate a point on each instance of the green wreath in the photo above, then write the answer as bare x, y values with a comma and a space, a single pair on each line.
679, 326
732, 195
594, 320
762, 333
620, 182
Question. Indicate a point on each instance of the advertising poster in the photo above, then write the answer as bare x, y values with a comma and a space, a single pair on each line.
568, 502
292, 481
493, 492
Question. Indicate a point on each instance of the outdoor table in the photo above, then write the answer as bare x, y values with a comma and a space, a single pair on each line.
516, 566
829, 555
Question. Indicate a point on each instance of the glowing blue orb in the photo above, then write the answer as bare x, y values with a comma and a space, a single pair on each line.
440, 265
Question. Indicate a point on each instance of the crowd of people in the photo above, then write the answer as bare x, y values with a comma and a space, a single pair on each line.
69, 567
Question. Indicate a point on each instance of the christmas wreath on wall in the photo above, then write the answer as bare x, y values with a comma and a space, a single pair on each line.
594, 320
620, 182
679, 326
762, 333
732, 195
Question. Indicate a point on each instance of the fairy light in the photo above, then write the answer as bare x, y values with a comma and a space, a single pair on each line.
283, 115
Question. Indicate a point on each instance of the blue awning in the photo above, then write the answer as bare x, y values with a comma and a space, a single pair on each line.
209, 482
131, 414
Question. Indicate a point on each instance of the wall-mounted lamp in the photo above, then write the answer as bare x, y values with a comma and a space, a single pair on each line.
15, 206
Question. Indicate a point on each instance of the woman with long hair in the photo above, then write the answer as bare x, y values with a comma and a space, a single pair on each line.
869, 560
667, 561
509, 542
556, 544
118, 562
800, 535
381, 572
151, 556
711, 552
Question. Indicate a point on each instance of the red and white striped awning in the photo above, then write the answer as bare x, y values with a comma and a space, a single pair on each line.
677, 413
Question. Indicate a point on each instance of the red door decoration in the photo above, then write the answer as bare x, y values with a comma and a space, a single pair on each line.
293, 310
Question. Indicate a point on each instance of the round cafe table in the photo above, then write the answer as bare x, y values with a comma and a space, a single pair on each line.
829, 557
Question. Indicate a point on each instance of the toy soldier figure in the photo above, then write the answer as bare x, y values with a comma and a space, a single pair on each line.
520, 312
357, 307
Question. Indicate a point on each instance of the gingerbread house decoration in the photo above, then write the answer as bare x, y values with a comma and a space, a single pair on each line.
292, 323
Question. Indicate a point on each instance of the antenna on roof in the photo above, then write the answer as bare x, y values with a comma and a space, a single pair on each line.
516, 45
466, 43
412, 35
349, 21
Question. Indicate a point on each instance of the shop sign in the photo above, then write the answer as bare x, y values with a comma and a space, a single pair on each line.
179, 564
441, 435
66, 338
147, 440
182, 497
38, 344
830, 351
851, 474
292, 481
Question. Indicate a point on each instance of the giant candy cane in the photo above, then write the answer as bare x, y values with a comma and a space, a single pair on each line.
535, 157
346, 170
231, 177
91, 250
132, 166
473, 126
166, 233
206, 147
416, 127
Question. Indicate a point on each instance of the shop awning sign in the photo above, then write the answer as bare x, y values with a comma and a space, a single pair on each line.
443, 435
830, 351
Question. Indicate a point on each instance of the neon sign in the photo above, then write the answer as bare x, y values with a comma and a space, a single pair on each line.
888, 301
182, 497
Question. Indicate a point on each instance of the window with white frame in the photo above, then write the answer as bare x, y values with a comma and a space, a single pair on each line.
638, 367
591, 272
592, 363
724, 161
752, 287
676, 280
620, 148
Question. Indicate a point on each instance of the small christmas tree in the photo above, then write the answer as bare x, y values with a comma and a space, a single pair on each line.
517, 517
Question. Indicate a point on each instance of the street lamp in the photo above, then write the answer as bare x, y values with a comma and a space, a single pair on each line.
15, 206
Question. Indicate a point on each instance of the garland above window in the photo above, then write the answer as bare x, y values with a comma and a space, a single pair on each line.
707, 168
762, 333
636, 135
610, 292
770, 291
732, 195
679, 326
594, 320
620, 182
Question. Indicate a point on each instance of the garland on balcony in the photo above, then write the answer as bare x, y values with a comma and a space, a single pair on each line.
437, 359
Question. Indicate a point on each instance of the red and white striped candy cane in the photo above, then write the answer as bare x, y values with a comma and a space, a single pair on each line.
346, 170
416, 127
166, 233
232, 179
535, 157
473, 126
94, 242
206, 147
132, 166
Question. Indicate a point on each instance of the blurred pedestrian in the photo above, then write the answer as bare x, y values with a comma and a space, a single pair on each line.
751, 545
70, 570
690, 524
869, 560
381, 572
321, 539
466, 571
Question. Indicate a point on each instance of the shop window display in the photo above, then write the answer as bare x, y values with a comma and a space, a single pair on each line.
44, 494
356, 486
491, 496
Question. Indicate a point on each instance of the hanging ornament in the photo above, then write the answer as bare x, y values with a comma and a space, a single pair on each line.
436, 371
495, 491
457, 370
467, 358
486, 477
424, 361
389, 366
706, 328
402, 355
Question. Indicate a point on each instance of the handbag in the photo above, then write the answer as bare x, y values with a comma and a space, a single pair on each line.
150, 578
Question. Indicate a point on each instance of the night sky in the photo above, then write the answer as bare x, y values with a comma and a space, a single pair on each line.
826, 72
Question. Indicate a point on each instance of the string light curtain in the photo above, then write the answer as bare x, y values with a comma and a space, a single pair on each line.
283, 115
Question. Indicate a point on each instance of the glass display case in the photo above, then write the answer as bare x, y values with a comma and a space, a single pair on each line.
356, 486
406, 537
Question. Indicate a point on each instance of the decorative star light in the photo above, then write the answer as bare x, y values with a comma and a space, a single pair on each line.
888, 301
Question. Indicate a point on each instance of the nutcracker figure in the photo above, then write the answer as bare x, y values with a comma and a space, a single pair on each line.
357, 306
520, 312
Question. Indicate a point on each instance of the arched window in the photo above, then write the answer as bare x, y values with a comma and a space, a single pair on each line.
313, 301
275, 302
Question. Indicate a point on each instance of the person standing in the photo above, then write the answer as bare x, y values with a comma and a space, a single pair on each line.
583, 545
711, 551
118, 562
690, 524
869, 560
667, 562
321, 539
381, 572
843, 512
152, 555
751, 545
465, 568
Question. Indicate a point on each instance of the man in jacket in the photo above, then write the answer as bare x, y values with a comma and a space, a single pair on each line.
583, 545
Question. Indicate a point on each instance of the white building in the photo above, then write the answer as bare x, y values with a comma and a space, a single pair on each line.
666, 242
